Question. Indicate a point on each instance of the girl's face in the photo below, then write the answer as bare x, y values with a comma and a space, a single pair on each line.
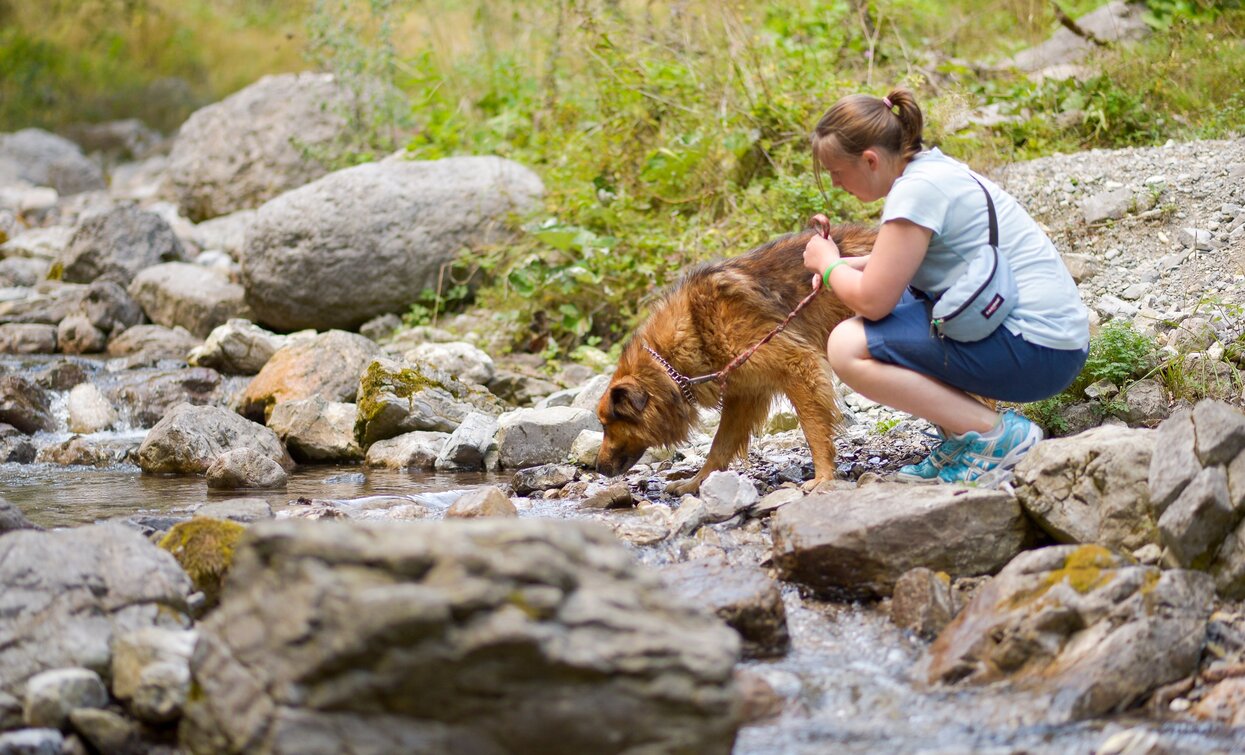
867, 176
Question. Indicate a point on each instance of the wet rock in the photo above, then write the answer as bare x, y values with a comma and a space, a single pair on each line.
1177, 465
646, 524
33, 742
44, 159
153, 342
117, 244
110, 308
245, 468
76, 334
742, 596
316, 430
242, 151
15, 446
484, 636
613, 497
51, 695
12, 518
530, 437
151, 672
328, 365
1091, 488
471, 446
147, 397
190, 438
57, 619
1224, 703
108, 732
727, 494
760, 700
243, 510
462, 360
1081, 625
190, 296
399, 219
859, 542
27, 338
482, 502
89, 410
544, 477
90, 451
923, 602
25, 405
418, 449
60, 375
239, 347
586, 448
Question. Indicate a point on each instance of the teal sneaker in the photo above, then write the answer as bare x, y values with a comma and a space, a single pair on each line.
980, 455
927, 469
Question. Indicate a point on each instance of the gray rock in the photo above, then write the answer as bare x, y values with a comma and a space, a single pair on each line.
48, 304
586, 448
470, 445
108, 732
15, 446
530, 437
32, 742
76, 334
742, 596
1177, 465
226, 233
146, 397
44, 159
859, 542
1112, 22
613, 497
381, 327
1081, 266
10, 712
922, 602
727, 494
51, 695
22, 271
239, 347
244, 150
190, 438
1195, 238
1145, 404
90, 451
27, 338
485, 636
25, 405
151, 672
190, 296
525, 390
316, 430
462, 360
66, 593
127, 139
153, 342
1198, 521
110, 308
1220, 431
482, 502
590, 393
328, 365
400, 220
89, 411
418, 449
1091, 488
242, 510
245, 468
1080, 627
543, 477
12, 518
1108, 205
399, 397
117, 244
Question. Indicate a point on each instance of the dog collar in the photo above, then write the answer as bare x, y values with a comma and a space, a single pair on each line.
684, 382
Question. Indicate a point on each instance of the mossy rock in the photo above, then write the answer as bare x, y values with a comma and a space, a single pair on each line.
204, 548
386, 379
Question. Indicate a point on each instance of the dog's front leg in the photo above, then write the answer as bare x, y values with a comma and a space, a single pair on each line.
741, 417
812, 394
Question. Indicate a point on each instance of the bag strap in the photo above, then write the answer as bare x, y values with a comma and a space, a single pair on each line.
994, 223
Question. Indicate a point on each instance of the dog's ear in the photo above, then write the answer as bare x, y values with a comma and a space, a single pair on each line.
627, 401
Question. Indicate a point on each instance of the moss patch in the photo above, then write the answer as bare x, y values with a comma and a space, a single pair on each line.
1086, 569
204, 548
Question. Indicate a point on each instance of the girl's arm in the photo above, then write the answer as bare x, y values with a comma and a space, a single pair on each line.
874, 290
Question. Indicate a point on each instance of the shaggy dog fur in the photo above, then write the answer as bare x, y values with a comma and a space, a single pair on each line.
715, 313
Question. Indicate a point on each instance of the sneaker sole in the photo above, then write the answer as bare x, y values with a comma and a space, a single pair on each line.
912, 479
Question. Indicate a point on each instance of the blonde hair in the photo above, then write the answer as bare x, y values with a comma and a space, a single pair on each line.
859, 121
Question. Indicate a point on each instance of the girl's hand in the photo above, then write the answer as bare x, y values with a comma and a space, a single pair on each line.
819, 253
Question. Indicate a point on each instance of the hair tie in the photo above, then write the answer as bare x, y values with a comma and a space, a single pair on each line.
887, 102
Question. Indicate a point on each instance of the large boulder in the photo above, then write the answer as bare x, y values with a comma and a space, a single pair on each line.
190, 438
43, 159
239, 347
248, 148
192, 296
25, 405
1091, 630
400, 397
745, 597
481, 636
1091, 487
328, 365
117, 244
367, 240
531, 437
316, 430
65, 594
144, 397
859, 542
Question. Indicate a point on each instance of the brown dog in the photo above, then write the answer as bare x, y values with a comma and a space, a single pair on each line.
716, 312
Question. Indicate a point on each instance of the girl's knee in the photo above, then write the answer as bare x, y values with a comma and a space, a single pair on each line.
847, 344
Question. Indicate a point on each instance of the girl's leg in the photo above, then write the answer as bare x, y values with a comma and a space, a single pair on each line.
904, 389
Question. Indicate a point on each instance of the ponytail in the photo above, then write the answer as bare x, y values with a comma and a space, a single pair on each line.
860, 121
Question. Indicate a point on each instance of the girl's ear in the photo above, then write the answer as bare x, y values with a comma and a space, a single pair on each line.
872, 158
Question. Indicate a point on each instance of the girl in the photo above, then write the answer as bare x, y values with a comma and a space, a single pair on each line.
934, 221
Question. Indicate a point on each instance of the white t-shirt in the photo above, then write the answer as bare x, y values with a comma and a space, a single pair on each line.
939, 193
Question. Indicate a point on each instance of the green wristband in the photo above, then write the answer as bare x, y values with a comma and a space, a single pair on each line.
825, 277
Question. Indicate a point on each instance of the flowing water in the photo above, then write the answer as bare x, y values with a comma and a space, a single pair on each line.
853, 680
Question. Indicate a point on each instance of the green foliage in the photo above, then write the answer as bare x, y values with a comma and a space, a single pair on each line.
1119, 354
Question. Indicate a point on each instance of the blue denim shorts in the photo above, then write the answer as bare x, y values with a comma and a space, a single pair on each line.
1001, 366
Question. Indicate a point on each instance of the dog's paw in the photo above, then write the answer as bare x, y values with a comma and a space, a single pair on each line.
818, 485
684, 487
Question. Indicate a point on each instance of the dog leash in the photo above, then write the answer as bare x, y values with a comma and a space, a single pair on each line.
686, 383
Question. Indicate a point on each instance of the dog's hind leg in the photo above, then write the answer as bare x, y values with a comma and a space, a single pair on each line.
811, 392
742, 415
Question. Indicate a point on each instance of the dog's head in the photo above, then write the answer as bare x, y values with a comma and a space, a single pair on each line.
641, 408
